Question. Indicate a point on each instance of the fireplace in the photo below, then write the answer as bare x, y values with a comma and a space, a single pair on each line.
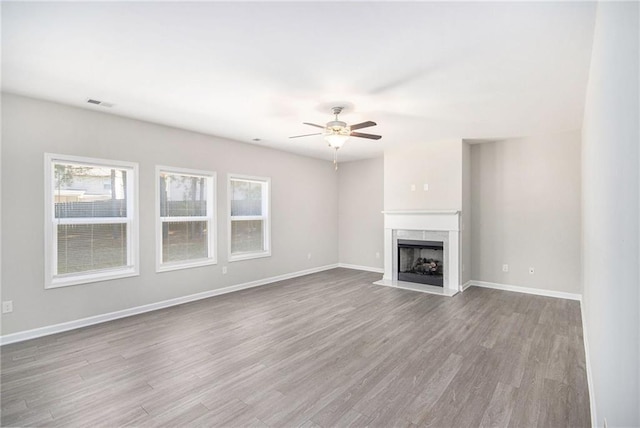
421, 262
422, 251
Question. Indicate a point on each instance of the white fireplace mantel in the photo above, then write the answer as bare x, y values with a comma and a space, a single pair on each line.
422, 220
441, 225
394, 212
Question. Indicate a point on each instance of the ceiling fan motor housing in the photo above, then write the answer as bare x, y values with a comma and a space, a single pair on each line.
338, 125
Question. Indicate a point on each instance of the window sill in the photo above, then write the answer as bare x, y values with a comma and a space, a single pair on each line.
87, 278
248, 256
167, 267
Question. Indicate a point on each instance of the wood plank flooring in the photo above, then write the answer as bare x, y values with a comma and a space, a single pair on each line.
324, 350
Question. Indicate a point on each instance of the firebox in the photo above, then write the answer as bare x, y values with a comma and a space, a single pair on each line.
421, 262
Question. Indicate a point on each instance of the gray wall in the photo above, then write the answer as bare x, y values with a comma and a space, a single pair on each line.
437, 163
611, 256
466, 216
525, 200
360, 219
304, 209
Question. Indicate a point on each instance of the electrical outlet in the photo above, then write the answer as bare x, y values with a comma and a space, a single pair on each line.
425, 187
7, 306
413, 187
309, 256
531, 271
377, 255
505, 268
224, 270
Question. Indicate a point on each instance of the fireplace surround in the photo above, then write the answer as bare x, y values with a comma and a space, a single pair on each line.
442, 226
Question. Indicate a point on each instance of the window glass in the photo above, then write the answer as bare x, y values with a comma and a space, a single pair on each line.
248, 217
186, 222
91, 232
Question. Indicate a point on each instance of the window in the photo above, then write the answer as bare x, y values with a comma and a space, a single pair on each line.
186, 227
91, 231
249, 227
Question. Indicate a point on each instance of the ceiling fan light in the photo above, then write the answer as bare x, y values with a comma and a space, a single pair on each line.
337, 136
336, 140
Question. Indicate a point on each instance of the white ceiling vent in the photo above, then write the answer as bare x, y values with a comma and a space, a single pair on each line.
99, 103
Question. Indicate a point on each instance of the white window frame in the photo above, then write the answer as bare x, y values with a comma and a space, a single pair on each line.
52, 280
210, 218
265, 217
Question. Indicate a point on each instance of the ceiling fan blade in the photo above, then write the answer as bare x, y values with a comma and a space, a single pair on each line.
362, 135
313, 124
306, 135
362, 125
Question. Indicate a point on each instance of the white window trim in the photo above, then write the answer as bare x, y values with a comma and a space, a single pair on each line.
266, 208
210, 219
50, 242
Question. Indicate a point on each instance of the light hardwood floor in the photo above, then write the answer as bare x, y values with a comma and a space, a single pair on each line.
328, 349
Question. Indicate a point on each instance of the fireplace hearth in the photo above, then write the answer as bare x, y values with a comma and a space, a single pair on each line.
421, 262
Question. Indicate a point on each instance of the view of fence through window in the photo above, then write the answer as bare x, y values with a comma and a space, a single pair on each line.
184, 216
90, 216
85, 247
247, 216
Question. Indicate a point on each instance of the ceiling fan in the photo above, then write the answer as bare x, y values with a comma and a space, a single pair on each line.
337, 132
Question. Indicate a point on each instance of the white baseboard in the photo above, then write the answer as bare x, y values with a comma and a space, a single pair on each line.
465, 285
365, 268
526, 290
97, 319
587, 358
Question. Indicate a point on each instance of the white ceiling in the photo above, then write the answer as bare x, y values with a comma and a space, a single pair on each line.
422, 71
